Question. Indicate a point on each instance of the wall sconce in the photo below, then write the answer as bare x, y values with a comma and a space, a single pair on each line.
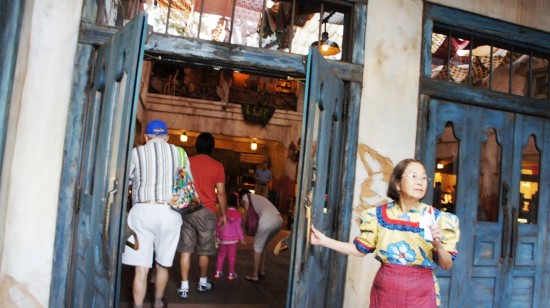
183, 136
254, 145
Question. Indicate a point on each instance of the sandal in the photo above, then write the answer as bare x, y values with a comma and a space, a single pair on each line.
252, 278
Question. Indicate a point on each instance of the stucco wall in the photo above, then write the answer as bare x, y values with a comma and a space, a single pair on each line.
388, 119
533, 14
34, 149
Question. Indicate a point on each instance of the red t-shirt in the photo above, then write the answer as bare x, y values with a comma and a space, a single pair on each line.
207, 172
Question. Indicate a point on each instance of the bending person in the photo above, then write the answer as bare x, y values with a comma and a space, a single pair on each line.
268, 226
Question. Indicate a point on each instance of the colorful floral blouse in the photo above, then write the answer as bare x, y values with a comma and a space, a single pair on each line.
398, 238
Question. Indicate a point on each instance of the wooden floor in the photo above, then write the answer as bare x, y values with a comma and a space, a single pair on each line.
270, 291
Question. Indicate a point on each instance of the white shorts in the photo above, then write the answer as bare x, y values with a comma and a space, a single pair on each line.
157, 227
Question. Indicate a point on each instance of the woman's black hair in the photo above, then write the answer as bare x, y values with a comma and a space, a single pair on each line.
243, 192
396, 177
233, 200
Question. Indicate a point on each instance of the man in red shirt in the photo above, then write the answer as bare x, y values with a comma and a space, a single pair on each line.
198, 232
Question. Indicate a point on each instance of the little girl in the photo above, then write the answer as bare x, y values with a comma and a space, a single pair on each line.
228, 238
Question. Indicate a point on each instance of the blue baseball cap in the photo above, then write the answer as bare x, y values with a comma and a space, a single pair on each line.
156, 127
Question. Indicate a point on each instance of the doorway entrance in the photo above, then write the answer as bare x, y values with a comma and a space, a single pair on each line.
322, 166
91, 242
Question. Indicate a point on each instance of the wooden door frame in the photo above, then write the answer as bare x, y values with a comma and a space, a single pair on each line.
93, 36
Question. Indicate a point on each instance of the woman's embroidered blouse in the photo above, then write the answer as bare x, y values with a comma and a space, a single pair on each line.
397, 238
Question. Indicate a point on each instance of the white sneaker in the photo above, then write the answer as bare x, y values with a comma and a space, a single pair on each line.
204, 288
183, 293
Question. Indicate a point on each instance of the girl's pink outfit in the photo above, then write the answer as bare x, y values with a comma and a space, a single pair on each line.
228, 238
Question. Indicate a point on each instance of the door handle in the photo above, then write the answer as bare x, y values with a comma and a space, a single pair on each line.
506, 228
515, 230
308, 226
106, 219
505, 235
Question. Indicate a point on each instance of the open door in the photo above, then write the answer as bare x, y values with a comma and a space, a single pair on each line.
101, 206
320, 181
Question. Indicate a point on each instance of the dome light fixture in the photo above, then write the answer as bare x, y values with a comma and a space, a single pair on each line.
326, 46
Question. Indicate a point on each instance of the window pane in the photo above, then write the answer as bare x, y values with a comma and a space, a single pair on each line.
445, 180
529, 184
180, 11
479, 61
449, 62
539, 78
212, 20
489, 179
248, 16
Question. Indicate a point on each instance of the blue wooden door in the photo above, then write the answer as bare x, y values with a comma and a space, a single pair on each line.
108, 138
319, 179
491, 164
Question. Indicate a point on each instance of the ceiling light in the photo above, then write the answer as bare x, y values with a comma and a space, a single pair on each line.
183, 136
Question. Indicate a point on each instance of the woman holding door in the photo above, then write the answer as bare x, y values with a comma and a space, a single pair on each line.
410, 239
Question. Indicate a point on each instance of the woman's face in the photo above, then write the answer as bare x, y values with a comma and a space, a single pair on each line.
414, 182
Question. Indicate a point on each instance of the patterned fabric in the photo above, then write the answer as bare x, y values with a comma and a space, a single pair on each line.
414, 284
152, 171
396, 237
185, 198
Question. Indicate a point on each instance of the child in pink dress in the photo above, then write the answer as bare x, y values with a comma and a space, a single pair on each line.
228, 238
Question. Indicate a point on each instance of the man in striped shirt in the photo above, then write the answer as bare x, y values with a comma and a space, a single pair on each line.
156, 225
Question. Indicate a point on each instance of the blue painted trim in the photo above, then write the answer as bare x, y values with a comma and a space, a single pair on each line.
11, 16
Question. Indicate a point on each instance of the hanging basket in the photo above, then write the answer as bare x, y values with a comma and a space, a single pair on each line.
257, 114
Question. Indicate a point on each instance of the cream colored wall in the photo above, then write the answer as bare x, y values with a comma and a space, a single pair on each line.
533, 14
34, 149
389, 104
388, 117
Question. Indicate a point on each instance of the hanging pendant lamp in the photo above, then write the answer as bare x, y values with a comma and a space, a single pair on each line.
326, 46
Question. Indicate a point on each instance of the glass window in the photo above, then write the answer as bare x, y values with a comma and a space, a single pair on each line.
290, 26
489, 178
446, 170
529, 184
476, 61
